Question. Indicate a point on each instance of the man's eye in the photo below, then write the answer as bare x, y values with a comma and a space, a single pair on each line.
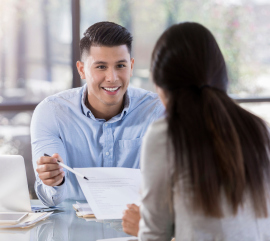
101, 67
120, 66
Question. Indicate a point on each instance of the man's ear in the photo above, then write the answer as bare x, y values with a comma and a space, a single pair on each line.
80, 68
132, 65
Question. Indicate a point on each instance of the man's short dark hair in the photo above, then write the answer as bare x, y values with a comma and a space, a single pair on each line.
105, 34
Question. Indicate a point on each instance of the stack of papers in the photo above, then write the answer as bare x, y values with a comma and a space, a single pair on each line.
30, 220
83, 210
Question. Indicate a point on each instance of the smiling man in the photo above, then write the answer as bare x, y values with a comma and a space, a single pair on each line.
98, 125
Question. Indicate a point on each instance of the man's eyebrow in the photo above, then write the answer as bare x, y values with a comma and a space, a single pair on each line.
100, 62
103, 62
121, 61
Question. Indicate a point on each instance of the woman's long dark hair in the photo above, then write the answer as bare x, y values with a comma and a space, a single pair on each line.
222, 146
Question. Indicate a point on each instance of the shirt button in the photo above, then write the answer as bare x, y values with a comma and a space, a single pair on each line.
107, 153
106, 124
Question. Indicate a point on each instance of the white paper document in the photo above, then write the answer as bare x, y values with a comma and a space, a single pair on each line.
109, 190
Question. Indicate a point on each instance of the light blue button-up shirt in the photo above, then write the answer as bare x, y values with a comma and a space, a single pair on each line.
63, 124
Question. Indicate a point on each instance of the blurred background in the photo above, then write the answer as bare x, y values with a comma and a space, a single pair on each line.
39, 46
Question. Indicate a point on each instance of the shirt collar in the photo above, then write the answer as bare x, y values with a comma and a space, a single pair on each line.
89, 114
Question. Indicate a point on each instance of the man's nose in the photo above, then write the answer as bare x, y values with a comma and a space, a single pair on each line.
111, 75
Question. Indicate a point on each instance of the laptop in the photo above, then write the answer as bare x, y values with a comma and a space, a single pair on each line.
14, 194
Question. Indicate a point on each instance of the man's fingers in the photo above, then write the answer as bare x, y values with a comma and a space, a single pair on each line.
58, 157
48, 167
51, 174
49, 171
54, 181
46, 160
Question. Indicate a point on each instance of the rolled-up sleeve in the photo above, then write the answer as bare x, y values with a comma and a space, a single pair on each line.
157, 218
45, 138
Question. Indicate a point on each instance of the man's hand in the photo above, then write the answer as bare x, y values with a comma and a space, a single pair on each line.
50, 173
131, 220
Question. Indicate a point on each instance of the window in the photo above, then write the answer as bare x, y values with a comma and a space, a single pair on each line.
15, 140
241, 28
35, 61
35, 50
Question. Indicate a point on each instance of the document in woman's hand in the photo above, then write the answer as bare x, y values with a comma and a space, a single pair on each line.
109, 190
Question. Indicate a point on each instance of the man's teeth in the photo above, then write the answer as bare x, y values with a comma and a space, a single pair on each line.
111, 89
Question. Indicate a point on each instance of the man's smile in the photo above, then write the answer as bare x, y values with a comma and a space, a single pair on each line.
111, 90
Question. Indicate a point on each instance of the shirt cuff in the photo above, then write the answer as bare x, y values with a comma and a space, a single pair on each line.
50, 196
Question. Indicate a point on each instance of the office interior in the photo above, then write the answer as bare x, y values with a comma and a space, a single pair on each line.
39, 48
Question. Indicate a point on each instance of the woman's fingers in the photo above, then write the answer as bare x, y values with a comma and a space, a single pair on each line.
130, 228
131, 219
131, 216
133, 207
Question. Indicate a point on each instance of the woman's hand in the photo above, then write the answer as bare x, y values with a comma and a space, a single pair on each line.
131, 220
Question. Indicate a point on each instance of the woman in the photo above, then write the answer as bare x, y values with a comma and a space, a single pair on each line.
205, 167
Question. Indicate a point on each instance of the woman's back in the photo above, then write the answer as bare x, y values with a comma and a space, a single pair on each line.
206, 166
162, 217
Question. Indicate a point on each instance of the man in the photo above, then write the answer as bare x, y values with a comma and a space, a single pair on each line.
98, 125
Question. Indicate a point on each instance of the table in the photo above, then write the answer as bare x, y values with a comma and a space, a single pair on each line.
66, 226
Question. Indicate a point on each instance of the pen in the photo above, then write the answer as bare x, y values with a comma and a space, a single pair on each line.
68, 168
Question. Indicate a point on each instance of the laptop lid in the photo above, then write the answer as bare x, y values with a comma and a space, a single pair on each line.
14, 194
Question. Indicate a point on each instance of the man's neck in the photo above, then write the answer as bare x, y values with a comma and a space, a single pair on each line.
101, 110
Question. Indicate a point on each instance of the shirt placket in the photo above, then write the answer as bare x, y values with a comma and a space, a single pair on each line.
108, 145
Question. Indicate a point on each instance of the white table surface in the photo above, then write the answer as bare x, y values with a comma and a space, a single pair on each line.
66, 226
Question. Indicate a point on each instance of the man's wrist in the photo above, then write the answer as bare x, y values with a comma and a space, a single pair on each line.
63, 181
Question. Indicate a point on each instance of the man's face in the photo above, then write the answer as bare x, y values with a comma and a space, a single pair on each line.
107, 71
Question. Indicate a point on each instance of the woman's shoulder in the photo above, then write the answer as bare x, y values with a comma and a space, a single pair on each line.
155, 140
157, 130
155, 149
